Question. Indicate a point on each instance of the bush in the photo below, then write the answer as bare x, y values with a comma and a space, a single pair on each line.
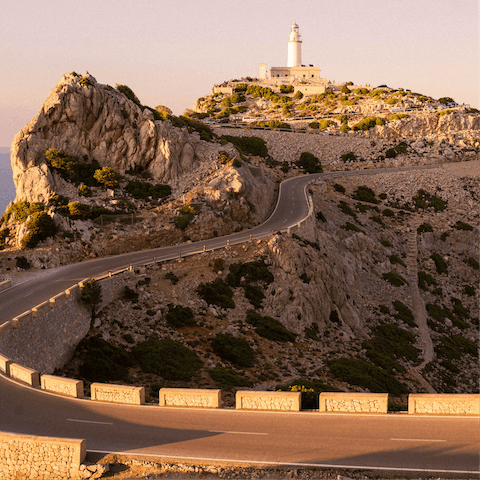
40, 226
22, 262
235, 350
345, 128
144, 190
130, 295
425, 200
404, 313
314, 125
250, 272
339, 188
216, 293
424, 227
425, 279
469, 290
248, 145
346, 209
365, 194
104, 362
463, 226
386, 243
91, 296
453, 347
348, 156
395, 279
378, 220
396, 259
179, 316
108, 176
128, 92
59, 160
367, 123
440, 263
79, 211
166, 358
254, 295
471, 262
229, 378
269, 328
309, 162
398, 116
298, 95
182, 221
286, 88
351, 227
84, 191
359, 372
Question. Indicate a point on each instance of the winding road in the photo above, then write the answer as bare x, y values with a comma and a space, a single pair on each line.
379, 442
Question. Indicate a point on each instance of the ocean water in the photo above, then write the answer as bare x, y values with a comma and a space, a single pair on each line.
7, 189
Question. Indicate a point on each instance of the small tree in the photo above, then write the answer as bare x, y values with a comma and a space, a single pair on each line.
345, 89
92, 296
298, 95
108, 176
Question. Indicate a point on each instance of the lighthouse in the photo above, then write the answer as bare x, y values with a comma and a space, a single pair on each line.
294, 47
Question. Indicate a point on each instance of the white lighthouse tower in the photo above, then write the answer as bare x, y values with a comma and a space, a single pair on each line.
294, 47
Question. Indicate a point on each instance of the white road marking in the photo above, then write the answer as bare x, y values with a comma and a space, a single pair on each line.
417, 440
239, 433
88, 421
27, 294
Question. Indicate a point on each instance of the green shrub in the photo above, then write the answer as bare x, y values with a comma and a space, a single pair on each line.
345, 128
235, 350
312, 332
250, 272
437, 312
104, 362
179, 316
79, 211
22, 262
463, 226
286, 88
424, 199
351, 227
359, 372
367, 123
459, 309
396, 259
298, 95
182, 221
365, 194
269, 328
388, 213
108, 176
440, 263
59, 160
91, 296
84, 191
40, 226
378, 220
454, 347
339, 188
398, 116
346, 209
384, 309
130, 295
389, 344
254, 295
314, 125
310, 391
444, 112
324, 124
4, 234
309, 162
404, 313
424, 227
386, 243
446, 100
248, 145
469, 290
425, 279
229, 378
471, 262
345, 89
57, 201
216, 293
395, 279
305, 278
144, 190
348, 156
128, 92
166, 358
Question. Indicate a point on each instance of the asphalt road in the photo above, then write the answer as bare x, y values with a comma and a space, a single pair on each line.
384, 442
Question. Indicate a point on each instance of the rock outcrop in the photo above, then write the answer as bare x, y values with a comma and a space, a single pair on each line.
83, 117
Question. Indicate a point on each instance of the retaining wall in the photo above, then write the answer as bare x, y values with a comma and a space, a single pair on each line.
45, 337
254, 400
189, 397
25, 375
105, 392
443, 404
353, 402
30, 457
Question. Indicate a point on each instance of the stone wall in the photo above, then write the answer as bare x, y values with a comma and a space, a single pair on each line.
30, 457
189, 397
63, 386
282, 401
444, 404
353, 402
45, 337
105, 392
25, 375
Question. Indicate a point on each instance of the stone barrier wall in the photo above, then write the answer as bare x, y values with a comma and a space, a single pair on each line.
254, 400
443, 404
353, 402
30, 457
25, 375
62, 385
5, 365
5, 284
45, 337
189, 397
104, 392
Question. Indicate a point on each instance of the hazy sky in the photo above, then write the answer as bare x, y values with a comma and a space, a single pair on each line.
173, 52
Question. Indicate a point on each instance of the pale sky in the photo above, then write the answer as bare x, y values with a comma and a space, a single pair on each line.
170, 53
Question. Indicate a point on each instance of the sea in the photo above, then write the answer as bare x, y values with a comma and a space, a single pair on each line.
7, 189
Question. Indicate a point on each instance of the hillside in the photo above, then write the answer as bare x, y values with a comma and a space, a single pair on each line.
379, 293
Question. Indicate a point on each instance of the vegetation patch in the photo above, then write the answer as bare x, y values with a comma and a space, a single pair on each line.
424, 200
229, 378
256, 271
144, 190
216, 293
365, 194
394, 279
368, 122
248, 145
404, 313
40, 226
179, 316
463, 226
235, 350
269, 328
310, 163
351, 227
166, 358
359, 372
454, 347
471, 262
440, 263
424, 227
425, 279
309, 390
395, 259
